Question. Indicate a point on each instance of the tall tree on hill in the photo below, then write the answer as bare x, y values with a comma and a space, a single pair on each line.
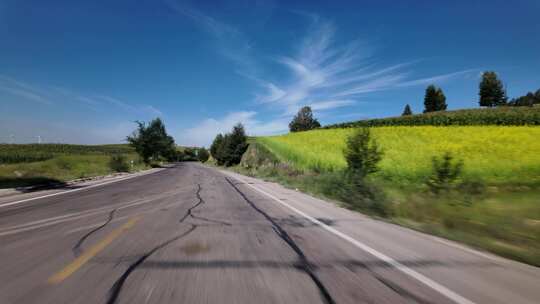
304, 121
235, 145
152, 141
492, 92
407, 111
434, 100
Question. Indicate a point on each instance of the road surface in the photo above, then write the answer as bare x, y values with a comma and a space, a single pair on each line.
194, 234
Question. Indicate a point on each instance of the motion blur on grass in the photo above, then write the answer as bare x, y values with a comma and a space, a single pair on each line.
477, 183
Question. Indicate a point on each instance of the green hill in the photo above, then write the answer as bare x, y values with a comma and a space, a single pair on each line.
495, 207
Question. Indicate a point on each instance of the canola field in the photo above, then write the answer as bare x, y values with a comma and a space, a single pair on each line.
492, 154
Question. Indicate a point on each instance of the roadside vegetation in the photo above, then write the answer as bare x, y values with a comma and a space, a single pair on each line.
24, 165
468, 175
227, 150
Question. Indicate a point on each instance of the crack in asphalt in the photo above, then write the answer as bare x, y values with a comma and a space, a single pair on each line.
77, 248
303, 264
201, 202
115, 290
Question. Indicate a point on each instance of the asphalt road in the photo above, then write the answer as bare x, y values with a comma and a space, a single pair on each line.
193, 234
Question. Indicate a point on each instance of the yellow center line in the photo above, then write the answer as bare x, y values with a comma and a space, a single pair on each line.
90, 253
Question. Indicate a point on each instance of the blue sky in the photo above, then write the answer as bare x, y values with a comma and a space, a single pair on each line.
83, 71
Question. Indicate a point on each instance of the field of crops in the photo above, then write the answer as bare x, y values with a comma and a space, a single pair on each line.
20, 153
493, 154
30, 164
501, 216
499, 116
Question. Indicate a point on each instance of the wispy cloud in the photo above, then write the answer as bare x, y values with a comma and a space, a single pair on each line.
61, 96
22, 89
326, 75
231, 42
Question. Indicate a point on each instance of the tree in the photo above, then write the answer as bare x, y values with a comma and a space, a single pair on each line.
304, 121
235, 145
527, 100
216, 149
362, 153
203, 155
491, 92
434, 100
152, 141
407, 111
228, 149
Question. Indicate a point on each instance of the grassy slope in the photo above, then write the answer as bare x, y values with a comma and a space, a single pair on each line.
504, 218
69, 162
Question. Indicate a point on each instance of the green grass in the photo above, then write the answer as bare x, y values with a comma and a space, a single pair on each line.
66, 162
497, 155
502, 216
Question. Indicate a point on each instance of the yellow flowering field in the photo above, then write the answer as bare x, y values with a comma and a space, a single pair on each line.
494, 154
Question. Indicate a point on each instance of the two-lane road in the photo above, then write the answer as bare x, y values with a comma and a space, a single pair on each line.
193, 234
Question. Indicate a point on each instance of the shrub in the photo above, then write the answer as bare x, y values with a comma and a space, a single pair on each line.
362, 153
203, 155
445, 173
359, 194
118, 163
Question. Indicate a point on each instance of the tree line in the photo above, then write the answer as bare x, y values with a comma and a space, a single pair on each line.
491, 94
153, 144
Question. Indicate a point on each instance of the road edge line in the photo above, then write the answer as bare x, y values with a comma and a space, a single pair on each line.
75, 190
416, 275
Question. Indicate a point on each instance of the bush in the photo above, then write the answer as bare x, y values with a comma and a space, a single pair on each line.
503, 116
359, 194
362, 153
203, 155
118, 163
445, 173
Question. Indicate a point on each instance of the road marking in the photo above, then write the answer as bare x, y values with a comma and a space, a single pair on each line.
90, 253
416, 275
75, 190
74, 216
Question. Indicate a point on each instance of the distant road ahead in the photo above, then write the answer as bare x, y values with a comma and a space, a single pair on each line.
193, 234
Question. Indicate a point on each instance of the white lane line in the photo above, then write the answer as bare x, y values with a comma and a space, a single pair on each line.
416, 275
75, 190
70, 217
